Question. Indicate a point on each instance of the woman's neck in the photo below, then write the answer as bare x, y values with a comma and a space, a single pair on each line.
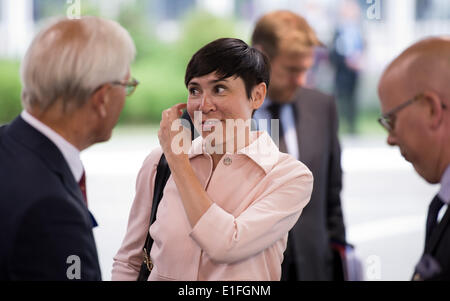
216, 157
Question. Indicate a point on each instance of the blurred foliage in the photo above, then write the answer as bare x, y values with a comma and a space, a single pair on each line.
198, 29
134, 19
10, 90
159, 66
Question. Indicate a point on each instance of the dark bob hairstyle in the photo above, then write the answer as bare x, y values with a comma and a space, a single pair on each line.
229, 57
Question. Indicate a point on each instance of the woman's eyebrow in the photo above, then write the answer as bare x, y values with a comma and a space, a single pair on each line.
211, 82
215, 81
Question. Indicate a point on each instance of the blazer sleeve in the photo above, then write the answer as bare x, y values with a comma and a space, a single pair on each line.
335, 219
128, 259
228, 239
51, 231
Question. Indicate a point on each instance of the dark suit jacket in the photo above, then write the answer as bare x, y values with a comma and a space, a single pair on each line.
438, 247
43, 218
308, 252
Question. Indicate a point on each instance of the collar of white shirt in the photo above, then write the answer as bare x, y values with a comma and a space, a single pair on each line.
70, 152
444, 192
262, 150
287, 120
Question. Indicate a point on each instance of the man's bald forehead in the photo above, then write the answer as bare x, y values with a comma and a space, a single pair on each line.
424, 65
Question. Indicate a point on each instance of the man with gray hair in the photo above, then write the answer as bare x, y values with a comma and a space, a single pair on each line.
415, 100
75, 78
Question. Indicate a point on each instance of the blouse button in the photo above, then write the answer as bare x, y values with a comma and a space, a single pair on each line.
227, 161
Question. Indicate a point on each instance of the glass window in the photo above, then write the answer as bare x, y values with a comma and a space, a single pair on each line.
173, 9
432, 9
47, 8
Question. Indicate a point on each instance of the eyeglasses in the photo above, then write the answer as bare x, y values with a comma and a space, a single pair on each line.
387, 120
130, 86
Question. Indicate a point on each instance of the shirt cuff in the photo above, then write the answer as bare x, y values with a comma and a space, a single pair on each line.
215, 223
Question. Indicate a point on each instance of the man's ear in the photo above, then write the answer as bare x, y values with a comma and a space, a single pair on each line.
258, 95
260, 48
99, 100
435, 109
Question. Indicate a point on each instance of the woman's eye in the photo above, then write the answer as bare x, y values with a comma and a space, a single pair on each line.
193, 91
219, 89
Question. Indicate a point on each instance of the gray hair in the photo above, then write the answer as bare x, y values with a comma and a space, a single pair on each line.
69, 59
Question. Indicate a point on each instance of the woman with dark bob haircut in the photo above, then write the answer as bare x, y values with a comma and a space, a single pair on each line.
232, 197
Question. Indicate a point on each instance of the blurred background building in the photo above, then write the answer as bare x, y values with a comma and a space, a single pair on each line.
385, 203
385, 27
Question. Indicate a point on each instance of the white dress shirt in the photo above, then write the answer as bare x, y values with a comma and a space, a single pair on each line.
69, 152
444, 192
287, 120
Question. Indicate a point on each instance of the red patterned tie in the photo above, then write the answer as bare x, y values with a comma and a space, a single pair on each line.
82, 185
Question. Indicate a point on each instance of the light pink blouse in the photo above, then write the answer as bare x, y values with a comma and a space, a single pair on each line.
258, 194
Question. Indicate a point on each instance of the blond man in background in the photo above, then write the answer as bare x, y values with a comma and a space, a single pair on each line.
309, 132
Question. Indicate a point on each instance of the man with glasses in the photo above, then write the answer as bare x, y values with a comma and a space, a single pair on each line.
75, 78
414, 93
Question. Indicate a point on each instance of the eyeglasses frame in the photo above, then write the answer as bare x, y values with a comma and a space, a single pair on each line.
387, 120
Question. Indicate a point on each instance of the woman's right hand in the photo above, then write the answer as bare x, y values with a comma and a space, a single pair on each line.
175, 140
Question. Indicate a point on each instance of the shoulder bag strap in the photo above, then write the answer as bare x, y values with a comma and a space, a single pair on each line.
162, 175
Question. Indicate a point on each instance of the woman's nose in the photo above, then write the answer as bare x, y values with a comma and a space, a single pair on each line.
206, 104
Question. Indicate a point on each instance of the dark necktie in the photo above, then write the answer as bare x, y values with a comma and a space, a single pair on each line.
275, 109
82, 185
433, 212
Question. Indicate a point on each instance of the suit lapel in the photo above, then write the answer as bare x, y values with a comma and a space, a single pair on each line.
42, 147
437, 233
302, 124
298, 110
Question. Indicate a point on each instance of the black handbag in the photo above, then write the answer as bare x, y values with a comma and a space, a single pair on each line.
162, 175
